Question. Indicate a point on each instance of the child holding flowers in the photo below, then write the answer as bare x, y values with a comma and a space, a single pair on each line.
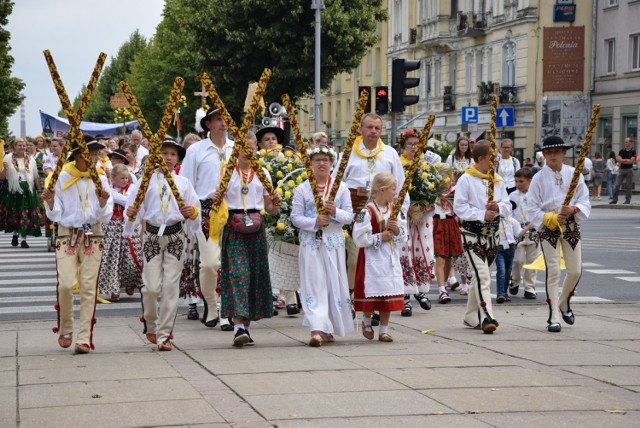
324, 288
379, 284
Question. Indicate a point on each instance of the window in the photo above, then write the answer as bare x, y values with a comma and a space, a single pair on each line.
479, 64
468, 72
630, 128
490, 65
634, 55
509, 64
452, 71
610, 52
612, 2
438, 83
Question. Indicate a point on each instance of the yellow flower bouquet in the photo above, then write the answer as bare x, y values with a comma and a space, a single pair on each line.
430, 182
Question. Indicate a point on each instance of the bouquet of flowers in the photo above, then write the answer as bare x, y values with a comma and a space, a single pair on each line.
287, 172
442, 148
121, 115
430, 182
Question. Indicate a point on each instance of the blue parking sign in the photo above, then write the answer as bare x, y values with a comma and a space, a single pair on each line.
470, 114
505, 117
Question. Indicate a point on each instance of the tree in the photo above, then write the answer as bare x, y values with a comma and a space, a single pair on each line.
234, 40
10, 87
99, 108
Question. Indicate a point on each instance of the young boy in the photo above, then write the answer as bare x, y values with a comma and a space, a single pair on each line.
80, 210
508, 232
527, 249
163, 243
558, 227
479, 232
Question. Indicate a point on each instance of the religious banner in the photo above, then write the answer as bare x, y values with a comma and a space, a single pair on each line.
563, 59
55, 126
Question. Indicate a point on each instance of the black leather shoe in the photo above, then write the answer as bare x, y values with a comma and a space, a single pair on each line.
554, 328
513, 289
14, 241
529, 295
489, 326
406, 312
24, 244
568, 317
375, 320
293, 309
241, 338
193, 313
424, 301
501, 299
214, 322
227, 327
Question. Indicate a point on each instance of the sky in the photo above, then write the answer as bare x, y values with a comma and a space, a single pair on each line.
75, 31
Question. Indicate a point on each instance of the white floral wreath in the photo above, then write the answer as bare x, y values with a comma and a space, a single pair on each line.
323, 150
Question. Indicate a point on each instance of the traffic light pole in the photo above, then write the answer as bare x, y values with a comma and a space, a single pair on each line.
318, 5
392, 136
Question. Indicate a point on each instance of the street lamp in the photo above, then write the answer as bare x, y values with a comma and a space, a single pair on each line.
317, 5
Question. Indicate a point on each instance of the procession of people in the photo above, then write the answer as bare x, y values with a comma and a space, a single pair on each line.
364, 249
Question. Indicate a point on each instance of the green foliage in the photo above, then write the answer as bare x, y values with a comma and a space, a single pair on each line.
234, 40
10, 87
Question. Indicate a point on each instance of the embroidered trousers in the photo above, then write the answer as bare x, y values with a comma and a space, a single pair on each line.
163, 262
526, 252
78, 261
481, 255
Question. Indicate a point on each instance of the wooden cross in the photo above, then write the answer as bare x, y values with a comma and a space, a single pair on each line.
203, 94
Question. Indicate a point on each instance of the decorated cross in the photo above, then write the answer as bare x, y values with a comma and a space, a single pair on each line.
155, 141
203, 94
75, 135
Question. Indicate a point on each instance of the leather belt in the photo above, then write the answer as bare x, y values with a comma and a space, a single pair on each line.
168, 230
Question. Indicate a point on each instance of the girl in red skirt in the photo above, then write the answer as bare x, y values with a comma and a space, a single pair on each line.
379, 284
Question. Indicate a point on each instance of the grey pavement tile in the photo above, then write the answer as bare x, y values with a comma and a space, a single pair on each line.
620, 375
8, 343
7, 364
473, 377
408, 361
8, 378
92, 367
345, 404
138, 414
629, 345
538, 399
421, 421
309, 382
105, 392
562, 419
8, 406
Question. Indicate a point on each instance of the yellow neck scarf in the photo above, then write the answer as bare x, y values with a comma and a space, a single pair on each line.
358, 150
76, 174
475, 173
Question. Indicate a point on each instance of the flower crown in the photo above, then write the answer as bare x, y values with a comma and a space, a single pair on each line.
402, 139
324, 150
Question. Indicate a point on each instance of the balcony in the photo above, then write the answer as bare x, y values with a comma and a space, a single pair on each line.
470, 24
508, 95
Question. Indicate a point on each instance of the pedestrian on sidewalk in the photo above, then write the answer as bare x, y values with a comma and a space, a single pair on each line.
612, 173
558, 227
626, 158
508, 231
599, 168
324, 287
80, 211
379, 284
163, 243
479, 232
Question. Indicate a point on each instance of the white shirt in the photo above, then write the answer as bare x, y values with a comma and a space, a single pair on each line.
357, 173
160, 206
459, 164
507, 169
50, 161
520, 200
254, 199
201, 166
588, 165
470, 198
508, 231
141, 153
68, 204
546, 195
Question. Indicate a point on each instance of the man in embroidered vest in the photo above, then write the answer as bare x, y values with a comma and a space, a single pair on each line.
480, 219
80, 210
368, 157
202, 165
558, 227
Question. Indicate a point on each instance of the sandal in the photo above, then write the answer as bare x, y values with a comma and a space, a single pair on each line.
64, 340
327, 337
129, 291
82, 348
114, 298
384, 337
464, 292
367, 331
151, 337
164, 346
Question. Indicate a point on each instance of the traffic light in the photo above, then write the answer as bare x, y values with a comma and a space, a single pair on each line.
382, 100
447, 100
367, 108
400, 83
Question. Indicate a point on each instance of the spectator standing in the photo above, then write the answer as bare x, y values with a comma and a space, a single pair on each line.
626, 158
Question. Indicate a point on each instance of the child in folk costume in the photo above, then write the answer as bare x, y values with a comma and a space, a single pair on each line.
479, 232
324, 287
80, 211
19, 196
379, 284
245, 283
528, 248
558, 227
163, 244
121, 265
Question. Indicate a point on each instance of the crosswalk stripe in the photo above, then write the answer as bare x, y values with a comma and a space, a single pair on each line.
31, 267
610, 271
26, 274
11, 290
31, 281
629, 278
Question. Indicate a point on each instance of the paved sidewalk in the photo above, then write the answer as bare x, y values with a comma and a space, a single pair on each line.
587, 375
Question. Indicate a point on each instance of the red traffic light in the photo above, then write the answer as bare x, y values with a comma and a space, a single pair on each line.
381, 93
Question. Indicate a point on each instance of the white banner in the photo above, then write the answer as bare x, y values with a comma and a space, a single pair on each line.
58, 127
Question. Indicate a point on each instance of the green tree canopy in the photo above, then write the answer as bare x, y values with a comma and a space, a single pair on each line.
10, 87
234, 40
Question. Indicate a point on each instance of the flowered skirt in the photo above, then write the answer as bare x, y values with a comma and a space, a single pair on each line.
121, 259
245, 284
19, 212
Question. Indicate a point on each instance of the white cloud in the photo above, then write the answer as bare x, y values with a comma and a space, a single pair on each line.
75, 31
